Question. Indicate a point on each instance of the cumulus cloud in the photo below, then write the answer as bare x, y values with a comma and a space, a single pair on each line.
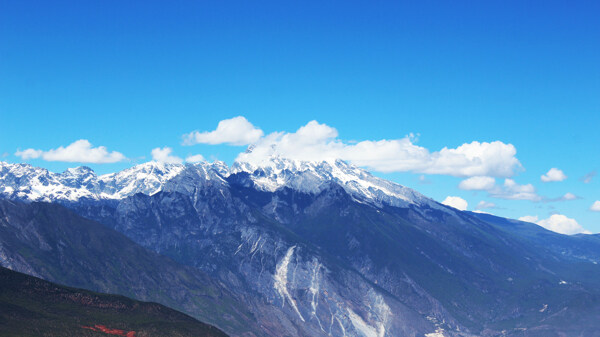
553, 174
595, 206
194, 159
588, 177
456, 202
316, 142
530, 218
29, 154
511, 190
164, 156
80, 151
234, 131
557, 223
477, 183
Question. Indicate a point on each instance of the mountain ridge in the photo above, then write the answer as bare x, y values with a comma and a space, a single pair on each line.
29, 183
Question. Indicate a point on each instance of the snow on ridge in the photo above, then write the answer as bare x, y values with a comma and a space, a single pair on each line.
147, 178
313, 177
26, 182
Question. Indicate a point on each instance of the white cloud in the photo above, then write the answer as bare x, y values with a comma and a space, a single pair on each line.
588, 177
456, 202
80, 151
553, 174
485, 205
561, 224
595, 206
530, 218
164, 156
234, 131
557, 223
316, 142
29, 154
513, 191
509, 190
477, 183
195, 158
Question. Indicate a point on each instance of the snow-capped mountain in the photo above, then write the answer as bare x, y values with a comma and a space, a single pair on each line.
309, 248
312, 177
25, 182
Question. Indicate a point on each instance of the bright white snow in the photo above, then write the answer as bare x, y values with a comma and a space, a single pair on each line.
37, 184
280, 277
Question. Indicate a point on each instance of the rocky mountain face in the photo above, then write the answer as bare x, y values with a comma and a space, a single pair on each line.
51, 242
327, 249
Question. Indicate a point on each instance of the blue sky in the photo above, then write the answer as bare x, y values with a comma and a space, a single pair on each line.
135, 76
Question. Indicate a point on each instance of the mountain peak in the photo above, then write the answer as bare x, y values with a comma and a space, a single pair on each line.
313, 176
79, 170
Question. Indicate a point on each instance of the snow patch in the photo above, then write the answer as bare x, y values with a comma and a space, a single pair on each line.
382, 312
360, 325
280, 278
314, 291
438, 333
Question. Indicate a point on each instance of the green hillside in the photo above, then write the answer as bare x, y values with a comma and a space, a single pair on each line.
30, 306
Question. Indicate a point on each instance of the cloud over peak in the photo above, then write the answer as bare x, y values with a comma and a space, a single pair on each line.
164, 156
194, 158
233, 131
316, 142
80, 151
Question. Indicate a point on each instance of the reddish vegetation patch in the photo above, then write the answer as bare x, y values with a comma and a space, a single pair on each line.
103, 328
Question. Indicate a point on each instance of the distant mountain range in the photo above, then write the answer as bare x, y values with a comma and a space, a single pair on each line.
291, 248
25, 182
